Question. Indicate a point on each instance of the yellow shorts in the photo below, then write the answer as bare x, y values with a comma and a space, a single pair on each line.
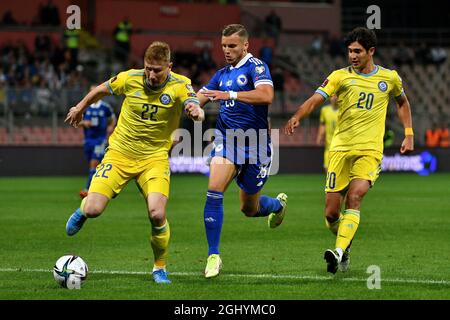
116, 169
345, 166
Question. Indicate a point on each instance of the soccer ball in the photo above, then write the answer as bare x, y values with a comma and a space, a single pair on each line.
70, 271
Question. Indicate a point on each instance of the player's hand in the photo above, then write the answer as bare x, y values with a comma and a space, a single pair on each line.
407, 145
194, 112
290, 126
215, 95
74, 117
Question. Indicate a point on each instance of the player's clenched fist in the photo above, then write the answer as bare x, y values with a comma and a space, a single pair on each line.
194, 112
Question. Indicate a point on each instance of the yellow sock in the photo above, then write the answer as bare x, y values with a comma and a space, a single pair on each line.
347, 228
160, 244
333, 226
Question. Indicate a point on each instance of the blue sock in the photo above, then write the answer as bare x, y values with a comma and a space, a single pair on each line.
267, 205
213, 218
91, 174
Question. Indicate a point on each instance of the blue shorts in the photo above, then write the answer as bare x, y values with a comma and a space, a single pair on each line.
253, 165
94, 149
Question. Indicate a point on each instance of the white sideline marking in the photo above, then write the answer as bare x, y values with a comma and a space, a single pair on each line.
262, 276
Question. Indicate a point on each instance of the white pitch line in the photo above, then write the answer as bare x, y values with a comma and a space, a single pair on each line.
257, 276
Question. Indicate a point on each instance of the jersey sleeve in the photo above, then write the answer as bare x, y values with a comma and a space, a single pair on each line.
330, 86
260, 74
397, 86
187, 94
116, 85
213, 84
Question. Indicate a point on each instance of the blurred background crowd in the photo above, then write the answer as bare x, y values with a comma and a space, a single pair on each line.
45, 68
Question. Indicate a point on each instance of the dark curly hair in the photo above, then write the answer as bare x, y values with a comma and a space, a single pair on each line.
364, 36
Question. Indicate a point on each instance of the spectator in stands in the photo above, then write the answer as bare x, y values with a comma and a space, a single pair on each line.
43, 99
71, 37
266, 53
205, 60
273, 25
42, 43
438, 55
335, 47
423, 54
49, 14
403, 55
8, 19
122, 35
316, 47
42, 46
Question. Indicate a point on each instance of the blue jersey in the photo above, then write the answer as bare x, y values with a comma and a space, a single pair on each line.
99, 115
242, 129
245, 76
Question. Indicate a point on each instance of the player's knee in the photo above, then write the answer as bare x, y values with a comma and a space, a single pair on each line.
332, 212
157, 215
217, 187
249, 211
92, 209
332, 216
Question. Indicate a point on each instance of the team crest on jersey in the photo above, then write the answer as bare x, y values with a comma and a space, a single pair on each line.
242, 80
165, 98
259, 69
324, 84
229, 83
382, 86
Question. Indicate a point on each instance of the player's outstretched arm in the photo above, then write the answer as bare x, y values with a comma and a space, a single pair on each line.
303, 111
261, 95
404, 113
75, 114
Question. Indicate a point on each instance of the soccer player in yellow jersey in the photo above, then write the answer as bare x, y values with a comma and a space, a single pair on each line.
363, 91
138, 148
328, 121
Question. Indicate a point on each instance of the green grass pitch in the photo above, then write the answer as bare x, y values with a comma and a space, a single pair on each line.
404, 231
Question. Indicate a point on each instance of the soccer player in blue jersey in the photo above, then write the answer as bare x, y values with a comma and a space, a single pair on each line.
244, 90
98, 122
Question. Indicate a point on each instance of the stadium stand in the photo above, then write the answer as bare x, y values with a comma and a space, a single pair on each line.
38, 82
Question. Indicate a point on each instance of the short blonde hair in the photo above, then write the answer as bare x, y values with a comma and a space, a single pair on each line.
159, 51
